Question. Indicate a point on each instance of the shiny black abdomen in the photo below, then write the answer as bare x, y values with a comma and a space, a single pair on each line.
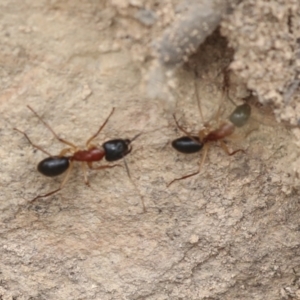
188, 144
116, 149
53, 166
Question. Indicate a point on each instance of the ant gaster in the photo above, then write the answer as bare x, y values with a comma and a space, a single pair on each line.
191, 144
52, 166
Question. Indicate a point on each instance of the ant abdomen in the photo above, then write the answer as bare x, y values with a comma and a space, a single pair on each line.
53, 166
116, 149
188, 144
240, 115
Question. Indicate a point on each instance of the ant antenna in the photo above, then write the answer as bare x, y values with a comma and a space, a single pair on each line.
198, 100
52, 131
136, 136
196, 75
101, 127
32, 144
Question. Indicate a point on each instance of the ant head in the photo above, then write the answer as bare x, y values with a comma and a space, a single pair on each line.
118, 148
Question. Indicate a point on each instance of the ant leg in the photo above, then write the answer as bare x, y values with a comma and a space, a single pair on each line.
83, 167
64, 151
206, 147
48, 126
90, 165
225, 148
133, 183
128, 173
250, 131
60, 187
99, 130
32, 144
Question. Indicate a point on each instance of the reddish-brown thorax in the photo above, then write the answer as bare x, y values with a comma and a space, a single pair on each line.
224, 130
94, 154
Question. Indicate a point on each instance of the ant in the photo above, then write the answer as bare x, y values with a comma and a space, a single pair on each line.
55, 165
191, 144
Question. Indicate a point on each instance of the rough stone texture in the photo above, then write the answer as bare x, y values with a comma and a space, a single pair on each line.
231, 232
267, 51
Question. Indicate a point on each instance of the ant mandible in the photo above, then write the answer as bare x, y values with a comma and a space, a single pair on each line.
191, 144
55, 165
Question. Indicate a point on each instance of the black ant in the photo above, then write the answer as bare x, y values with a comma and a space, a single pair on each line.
191, 144
52, 166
